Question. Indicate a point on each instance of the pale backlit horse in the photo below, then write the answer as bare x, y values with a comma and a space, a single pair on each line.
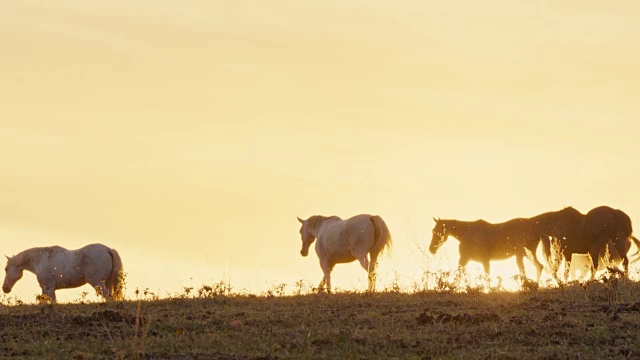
362, 237
58, 268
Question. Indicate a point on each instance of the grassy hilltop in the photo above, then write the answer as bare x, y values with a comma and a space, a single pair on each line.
592, 320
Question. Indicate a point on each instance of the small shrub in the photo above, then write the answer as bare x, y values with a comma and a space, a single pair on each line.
526, 284
43, 299
394, 287
302, 288
276, 290
221, 288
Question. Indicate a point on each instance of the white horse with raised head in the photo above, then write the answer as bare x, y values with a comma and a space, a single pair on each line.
58, 268
362, 237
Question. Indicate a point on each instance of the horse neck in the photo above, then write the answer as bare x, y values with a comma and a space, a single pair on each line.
315, 222
461, 230
28, 259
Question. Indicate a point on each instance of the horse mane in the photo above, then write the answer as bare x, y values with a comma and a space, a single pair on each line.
317, 220
475, 222
21, 257
450, 224
29, 254
461, 229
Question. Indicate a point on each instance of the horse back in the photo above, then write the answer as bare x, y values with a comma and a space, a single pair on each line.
92, 258
603, 224
57, 257
359, 229
484, 241
605, 220
341, 239
624, 222
511, 234
94, 255
565, 223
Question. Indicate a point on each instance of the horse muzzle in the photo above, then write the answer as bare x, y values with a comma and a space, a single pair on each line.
6, 289
304, 252
433, 249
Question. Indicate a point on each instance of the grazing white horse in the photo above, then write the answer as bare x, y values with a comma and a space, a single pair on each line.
58, 268
362, 237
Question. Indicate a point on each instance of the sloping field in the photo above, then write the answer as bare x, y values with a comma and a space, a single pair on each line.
591, 321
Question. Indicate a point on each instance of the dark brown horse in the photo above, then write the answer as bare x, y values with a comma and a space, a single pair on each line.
482, 241
603, 225
577, 233
563, 226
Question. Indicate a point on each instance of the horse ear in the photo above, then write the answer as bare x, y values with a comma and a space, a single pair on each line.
301, 221
6, 257
434, 219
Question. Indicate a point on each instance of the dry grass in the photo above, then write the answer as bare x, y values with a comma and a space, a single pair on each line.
590, 320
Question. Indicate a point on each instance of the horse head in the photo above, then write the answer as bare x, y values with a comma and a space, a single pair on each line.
307, 237
439, 236
13, 273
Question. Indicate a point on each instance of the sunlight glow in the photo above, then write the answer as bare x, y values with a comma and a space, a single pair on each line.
189, 135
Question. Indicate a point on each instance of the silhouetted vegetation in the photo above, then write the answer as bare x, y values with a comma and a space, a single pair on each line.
592, 319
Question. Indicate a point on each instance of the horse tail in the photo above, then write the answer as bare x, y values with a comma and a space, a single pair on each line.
637, 242
382, 236
115, 283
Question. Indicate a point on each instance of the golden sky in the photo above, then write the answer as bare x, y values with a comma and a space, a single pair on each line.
189, 135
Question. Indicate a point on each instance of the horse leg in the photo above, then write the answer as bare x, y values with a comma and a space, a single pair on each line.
328, 277
555, 256
520, 263
486, 265
372, 276
326, 269
364, 262
546, 248
622, 250
48, 286
369, 267
546, 253
567, 265
101, 288
538, 266
595, 254
49, 291
105, 292
462, 262
554, 266
487, 270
